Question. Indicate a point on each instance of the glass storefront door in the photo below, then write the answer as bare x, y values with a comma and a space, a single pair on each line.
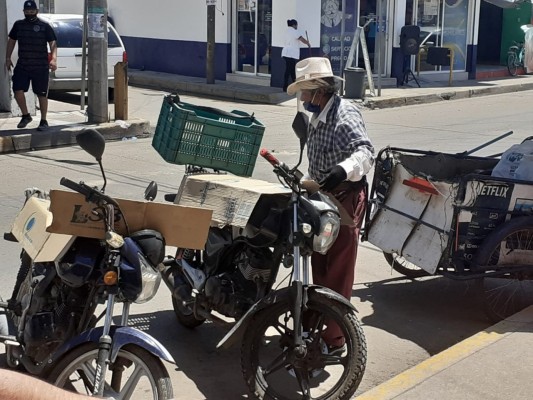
373, 17
442, 23
254, 36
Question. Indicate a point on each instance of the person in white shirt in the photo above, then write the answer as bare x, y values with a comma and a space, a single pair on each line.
291, 51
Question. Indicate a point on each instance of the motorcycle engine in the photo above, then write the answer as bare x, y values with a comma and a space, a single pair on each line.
233, 292
51, 310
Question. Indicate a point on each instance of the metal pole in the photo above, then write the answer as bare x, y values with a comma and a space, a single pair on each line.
98, 109
210, 59
377, 46
83, 57
343, 28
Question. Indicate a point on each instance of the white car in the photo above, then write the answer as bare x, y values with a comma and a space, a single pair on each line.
69, 32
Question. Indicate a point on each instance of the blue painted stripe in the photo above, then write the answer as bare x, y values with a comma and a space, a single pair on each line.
176, 56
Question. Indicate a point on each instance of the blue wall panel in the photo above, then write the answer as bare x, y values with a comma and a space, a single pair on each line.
176, 56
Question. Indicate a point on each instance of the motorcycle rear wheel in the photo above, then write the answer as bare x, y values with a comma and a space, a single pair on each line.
143, 376
268, 361
185, 315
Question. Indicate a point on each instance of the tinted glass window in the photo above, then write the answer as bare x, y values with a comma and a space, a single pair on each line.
70, 34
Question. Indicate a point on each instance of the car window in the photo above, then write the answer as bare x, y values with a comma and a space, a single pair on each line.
69, 34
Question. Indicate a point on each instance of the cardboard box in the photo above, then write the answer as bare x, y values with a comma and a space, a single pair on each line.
181, 226
232, 198
30, 227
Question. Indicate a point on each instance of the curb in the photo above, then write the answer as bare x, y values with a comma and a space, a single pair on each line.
377, 103
402, 383
65, 136
221, 89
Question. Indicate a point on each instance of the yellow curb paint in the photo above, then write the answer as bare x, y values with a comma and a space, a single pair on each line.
441, 361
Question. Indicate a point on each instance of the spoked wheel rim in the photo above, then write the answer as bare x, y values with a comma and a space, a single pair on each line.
507, 294
511, 292
134, 382
282, 373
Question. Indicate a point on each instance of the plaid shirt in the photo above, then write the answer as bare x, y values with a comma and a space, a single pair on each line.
339, 137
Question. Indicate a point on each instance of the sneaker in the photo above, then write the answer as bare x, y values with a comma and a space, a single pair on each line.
337, 350
43, 125
25, 120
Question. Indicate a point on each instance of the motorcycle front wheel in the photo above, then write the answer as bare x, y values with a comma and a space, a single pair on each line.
273, 370
135, 374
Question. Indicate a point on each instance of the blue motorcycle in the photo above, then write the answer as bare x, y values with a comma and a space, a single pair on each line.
53, 329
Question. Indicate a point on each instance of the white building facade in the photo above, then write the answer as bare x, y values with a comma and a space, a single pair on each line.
170, 35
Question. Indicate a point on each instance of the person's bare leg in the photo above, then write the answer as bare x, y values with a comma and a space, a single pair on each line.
43, 105
21, 101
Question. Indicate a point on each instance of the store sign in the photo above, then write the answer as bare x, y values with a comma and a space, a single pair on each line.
335, 42
211, 2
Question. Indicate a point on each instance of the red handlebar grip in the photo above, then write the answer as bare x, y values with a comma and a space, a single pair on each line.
269, 157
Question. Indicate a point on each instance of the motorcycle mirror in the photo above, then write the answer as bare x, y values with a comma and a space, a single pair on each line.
299, 126
92, 142
151, 191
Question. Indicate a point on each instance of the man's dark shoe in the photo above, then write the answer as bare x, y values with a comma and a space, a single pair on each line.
43, 125
25, 120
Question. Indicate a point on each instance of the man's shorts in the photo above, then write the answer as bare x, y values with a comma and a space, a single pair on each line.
38, 78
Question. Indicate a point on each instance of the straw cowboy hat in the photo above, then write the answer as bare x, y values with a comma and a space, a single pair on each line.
309, 73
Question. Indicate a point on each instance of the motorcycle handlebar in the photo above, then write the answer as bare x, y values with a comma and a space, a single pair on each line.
267, 155
90, 193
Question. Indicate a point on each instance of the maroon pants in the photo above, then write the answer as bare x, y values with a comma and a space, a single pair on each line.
336, 269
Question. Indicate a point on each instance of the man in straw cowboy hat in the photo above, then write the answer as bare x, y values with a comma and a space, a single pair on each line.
340, 155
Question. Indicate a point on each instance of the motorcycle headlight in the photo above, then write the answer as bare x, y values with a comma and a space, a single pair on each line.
329, 229
150, 279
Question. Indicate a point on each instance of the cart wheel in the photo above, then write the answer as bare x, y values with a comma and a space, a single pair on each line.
510, 245
404, 267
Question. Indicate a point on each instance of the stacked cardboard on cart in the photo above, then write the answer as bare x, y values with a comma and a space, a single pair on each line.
232, 198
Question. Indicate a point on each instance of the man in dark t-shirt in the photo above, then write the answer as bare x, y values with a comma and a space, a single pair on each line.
33, 37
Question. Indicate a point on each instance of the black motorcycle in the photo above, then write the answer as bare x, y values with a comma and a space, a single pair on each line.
53, 308
283, 355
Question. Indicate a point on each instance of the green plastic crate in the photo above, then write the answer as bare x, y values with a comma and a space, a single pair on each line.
207, 137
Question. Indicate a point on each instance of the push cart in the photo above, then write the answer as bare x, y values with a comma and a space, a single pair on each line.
444, 214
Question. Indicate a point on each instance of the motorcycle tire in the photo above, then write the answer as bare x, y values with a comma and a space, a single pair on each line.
268, 362
75, 372
185, 315
404, 267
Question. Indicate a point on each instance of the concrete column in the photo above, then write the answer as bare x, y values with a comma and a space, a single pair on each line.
98, 102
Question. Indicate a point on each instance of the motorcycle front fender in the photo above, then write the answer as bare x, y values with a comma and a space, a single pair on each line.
121, 336
313, 292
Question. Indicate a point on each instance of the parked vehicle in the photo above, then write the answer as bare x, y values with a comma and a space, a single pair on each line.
515, 57
516, 54
449, 216
53, 308
69, 32
283, 355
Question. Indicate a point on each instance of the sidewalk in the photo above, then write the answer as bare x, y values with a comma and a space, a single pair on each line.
64, 125
494, 364
411, 94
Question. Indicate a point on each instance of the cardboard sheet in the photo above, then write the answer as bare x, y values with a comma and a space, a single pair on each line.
181, 226
231, 198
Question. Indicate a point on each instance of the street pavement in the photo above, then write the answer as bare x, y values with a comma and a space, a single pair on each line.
492, 364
